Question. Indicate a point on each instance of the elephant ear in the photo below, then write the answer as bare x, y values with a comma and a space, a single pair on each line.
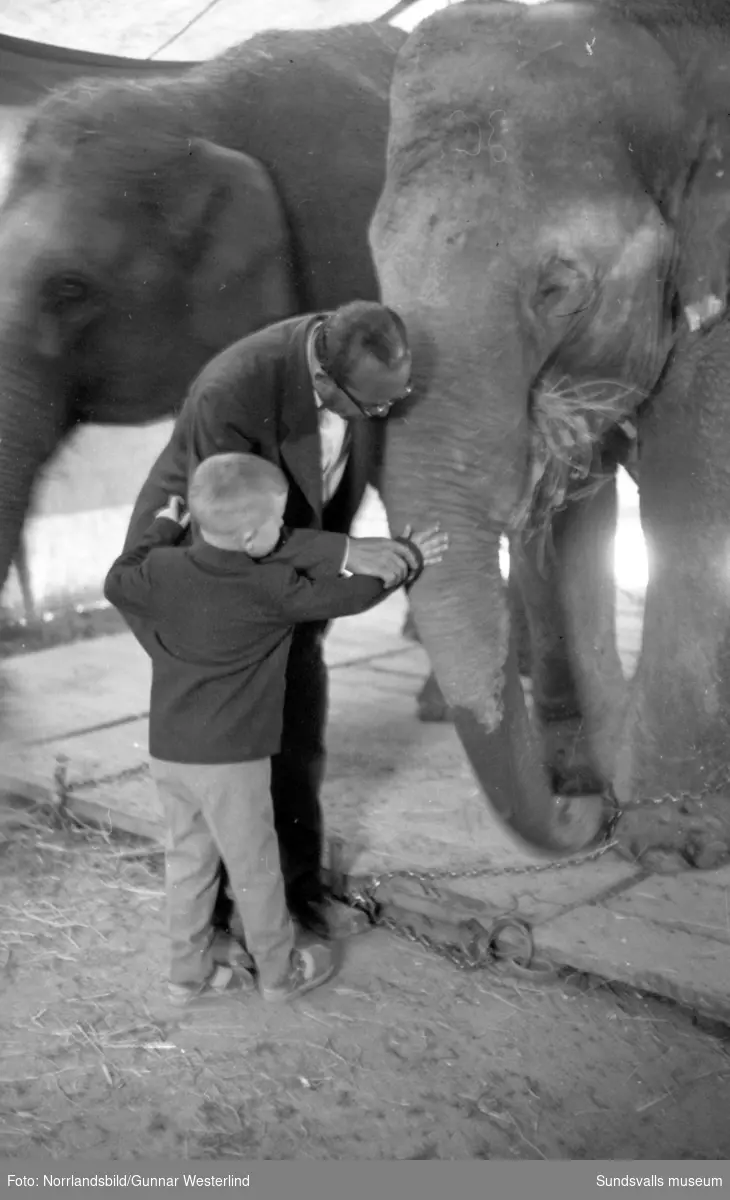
232, 245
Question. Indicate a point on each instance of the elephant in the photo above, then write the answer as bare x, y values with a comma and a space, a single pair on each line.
29, 70
151, 221
555, 231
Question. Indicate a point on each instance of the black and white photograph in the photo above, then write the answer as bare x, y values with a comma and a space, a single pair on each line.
365, 595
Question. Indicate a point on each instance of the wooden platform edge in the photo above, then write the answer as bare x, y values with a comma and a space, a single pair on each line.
96, 813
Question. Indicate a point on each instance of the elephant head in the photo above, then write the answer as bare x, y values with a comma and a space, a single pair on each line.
127, 263
535, 233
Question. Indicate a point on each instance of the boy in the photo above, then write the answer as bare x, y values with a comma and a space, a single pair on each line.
219, 616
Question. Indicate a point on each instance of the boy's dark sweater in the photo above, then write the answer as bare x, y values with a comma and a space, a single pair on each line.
218, 626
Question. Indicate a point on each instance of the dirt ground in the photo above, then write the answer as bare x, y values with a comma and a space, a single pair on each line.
402, 1056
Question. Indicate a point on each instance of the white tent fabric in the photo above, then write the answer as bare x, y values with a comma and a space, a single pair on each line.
188, 29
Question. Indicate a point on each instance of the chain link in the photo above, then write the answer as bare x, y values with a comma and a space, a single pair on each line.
485, 869
482, 949
455, 954
718, 780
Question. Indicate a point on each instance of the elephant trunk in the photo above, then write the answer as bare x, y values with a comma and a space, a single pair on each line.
33, 420
448, 461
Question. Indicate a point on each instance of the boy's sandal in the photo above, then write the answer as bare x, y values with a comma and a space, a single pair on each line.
228, 952
224, 983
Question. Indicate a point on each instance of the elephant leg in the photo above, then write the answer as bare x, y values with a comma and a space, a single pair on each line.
584, 539
536, 607
537, 613
677, 733
520, 626
578, 688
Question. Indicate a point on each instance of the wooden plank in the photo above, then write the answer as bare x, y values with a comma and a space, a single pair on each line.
91, 756
68, 688
127, 806
695, 903
56, 692
694, 971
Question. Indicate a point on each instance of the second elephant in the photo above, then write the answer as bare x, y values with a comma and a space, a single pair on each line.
150, 222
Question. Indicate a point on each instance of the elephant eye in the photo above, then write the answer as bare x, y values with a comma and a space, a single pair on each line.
68, 289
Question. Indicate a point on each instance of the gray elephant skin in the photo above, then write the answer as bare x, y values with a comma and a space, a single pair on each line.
149, 222
555, 230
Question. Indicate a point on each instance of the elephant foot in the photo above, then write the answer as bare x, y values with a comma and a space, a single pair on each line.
431, 706
677, 834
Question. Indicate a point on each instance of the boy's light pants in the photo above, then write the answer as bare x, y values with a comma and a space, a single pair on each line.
212, 812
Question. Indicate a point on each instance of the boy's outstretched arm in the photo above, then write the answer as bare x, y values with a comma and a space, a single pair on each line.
315, 551
302, 599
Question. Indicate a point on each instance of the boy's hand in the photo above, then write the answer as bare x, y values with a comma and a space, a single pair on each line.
175, 510
380, 557
431, 542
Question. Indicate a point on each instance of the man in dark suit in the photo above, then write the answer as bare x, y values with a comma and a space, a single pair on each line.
303, 394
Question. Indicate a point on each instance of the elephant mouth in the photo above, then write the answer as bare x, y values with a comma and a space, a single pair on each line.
568, 424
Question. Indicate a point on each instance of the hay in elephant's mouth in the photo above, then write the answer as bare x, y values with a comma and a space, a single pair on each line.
568, 422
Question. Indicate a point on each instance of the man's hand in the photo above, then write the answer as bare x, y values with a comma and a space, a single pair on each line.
175, 511
382, 558
431, 542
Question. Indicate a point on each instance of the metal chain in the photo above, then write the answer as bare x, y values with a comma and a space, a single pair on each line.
454, 954
482, 950
365, 897
485, 869
718, 780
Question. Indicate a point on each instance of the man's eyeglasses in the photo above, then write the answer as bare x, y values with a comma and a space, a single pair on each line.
375, 410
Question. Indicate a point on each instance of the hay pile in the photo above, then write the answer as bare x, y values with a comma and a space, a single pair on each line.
568, 423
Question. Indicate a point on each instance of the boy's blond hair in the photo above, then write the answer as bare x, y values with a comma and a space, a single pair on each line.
231, 493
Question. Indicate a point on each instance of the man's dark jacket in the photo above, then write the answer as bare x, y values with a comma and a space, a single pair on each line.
256, 397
